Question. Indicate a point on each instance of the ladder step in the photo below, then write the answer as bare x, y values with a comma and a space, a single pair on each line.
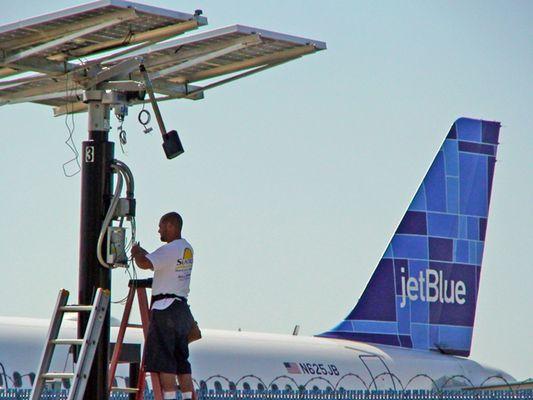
124, 389
134, 326
57, 375
76, 342
73, 308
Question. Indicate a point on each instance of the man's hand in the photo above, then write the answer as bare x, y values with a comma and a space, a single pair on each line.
137, 250
139, 256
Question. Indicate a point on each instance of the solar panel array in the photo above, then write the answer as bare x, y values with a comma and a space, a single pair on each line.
102, 44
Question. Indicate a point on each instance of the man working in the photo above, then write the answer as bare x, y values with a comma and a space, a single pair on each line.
166, 349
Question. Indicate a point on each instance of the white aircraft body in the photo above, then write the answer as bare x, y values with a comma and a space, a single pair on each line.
257, 360
411, 328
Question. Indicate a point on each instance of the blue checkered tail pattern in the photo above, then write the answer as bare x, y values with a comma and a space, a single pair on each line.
423, 292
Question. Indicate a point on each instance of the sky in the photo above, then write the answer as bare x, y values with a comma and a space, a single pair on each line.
294, 179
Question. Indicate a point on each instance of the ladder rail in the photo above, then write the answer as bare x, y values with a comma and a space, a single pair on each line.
92, 333
141, 384
46, 356
144, 310
145, 319
120, 337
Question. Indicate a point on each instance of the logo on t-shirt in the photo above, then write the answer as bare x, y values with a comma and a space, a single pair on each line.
186, 261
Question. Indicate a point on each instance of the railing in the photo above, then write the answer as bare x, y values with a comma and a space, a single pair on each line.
522, 394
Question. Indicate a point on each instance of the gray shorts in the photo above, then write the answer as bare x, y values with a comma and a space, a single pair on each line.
167, 347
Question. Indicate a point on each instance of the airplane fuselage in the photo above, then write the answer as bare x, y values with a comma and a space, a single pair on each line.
227, 359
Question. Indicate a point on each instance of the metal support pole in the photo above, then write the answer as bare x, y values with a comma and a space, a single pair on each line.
96, 192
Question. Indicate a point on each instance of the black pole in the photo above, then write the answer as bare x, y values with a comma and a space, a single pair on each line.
96, 192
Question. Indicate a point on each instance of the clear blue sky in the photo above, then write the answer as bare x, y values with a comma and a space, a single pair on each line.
294, 180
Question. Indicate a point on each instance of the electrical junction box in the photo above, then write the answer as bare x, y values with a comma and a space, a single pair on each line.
125, 208
116, 246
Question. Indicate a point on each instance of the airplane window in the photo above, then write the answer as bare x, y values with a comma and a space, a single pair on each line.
288, 387
203, 386
232, 386
260, 386
246, 386
17, 379
218, 386
53, 386
274, 387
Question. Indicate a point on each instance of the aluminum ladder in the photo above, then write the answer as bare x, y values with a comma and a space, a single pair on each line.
137, 287
88, 344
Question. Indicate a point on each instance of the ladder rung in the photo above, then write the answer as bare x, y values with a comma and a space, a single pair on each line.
134, 326
124, 389
57, 375
73, 308
76, 342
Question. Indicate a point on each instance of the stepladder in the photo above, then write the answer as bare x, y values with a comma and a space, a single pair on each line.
137, 287
87, 345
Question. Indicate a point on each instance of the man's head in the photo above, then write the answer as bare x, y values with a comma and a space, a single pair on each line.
170, 227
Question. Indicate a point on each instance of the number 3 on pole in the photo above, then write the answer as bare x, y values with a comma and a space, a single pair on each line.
89, 154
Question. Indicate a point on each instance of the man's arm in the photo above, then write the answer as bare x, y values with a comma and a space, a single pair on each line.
139, 256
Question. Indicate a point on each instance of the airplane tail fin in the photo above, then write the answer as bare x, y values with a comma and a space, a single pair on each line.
424, 290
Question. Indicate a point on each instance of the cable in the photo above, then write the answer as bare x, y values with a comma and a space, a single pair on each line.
132, 273
133, 234
122, 137
144, 118
130, 184
70, 141
123, 174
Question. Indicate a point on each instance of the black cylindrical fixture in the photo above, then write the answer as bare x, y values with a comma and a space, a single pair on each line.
96, 193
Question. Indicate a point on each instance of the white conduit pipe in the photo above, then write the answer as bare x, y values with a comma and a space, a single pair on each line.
109, 216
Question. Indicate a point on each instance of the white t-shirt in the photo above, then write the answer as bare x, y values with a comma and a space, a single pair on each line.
172, 271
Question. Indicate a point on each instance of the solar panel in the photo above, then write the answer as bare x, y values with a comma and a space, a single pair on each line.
222, 51
47, 43
173, 65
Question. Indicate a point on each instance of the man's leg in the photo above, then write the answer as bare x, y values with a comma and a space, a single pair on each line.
186, 387
168, 384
